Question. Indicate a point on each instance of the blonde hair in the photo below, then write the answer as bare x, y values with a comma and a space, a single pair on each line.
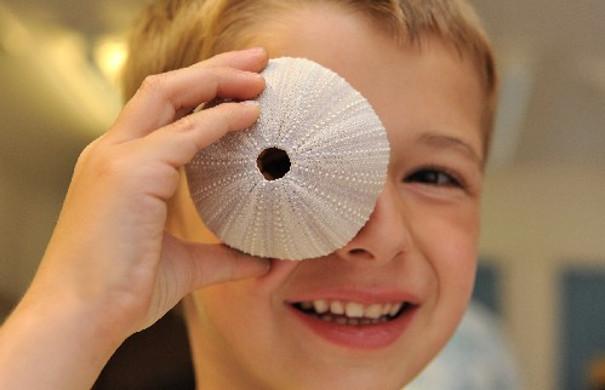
172, 34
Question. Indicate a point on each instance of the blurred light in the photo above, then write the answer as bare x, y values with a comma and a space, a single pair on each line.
517, 85
76, 82
57, 60
14, 37
110, 55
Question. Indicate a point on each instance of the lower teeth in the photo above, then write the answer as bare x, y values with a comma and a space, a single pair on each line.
352, 321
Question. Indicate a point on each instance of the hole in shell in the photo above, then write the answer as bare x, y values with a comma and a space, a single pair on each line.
273, 163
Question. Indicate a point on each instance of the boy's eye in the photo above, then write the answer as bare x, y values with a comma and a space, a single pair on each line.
433, 176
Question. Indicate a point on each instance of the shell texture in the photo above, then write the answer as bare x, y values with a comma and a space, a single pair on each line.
338, 153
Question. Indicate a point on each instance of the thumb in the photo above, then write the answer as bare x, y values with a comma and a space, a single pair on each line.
200, 265
185, 267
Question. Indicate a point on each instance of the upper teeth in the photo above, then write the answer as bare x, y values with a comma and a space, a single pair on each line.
353, 309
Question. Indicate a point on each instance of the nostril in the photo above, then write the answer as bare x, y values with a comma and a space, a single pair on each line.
360, 253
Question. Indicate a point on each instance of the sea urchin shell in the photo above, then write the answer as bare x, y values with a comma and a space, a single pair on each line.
304, 179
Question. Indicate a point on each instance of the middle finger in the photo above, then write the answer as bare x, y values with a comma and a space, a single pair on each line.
162, 97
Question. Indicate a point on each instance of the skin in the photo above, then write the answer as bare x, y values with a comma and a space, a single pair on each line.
111, 269
421, 238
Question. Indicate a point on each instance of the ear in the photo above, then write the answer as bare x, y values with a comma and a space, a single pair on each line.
183, 220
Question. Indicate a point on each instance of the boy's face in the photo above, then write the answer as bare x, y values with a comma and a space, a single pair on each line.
419, 245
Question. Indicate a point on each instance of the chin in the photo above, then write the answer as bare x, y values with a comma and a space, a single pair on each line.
339, 370
351, 378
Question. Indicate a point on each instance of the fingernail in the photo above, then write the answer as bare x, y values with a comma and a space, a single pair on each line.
255, 75
251, 103
256, 50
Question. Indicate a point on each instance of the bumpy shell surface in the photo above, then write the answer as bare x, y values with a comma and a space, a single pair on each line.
338, 151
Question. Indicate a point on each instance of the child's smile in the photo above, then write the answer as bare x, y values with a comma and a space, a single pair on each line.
357, 318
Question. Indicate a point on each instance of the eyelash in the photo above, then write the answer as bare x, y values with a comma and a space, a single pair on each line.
440, 177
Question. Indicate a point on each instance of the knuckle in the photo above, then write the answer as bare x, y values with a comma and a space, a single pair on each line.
88, 153
153, 84
162, 180
112, 166
223, 75
211, 75
222, 71
185, 124
172, 179
213, 81
85, 154
234, 114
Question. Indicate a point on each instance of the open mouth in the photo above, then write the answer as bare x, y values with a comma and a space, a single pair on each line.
352, 313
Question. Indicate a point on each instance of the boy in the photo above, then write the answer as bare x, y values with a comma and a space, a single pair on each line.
426, 68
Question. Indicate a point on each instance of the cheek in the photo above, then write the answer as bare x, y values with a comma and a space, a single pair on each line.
233, 304
234, 325
455, 264
449, 243
244, 309
220, 307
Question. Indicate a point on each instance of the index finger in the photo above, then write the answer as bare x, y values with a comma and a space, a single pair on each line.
161, 98
252, 60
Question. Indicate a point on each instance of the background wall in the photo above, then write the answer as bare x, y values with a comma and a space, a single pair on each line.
544, 203
540, 221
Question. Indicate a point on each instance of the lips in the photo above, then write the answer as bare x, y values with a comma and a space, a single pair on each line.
356, 319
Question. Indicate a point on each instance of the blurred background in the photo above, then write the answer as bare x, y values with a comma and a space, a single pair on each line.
542, 266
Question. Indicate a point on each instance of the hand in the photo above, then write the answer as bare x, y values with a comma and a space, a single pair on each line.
109, 251
110, 269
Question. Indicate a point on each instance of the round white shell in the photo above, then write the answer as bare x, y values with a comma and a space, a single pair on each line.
339, 153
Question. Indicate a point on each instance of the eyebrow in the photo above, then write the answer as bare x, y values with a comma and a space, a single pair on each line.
446, 141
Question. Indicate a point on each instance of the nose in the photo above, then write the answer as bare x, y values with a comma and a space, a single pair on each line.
384, 236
